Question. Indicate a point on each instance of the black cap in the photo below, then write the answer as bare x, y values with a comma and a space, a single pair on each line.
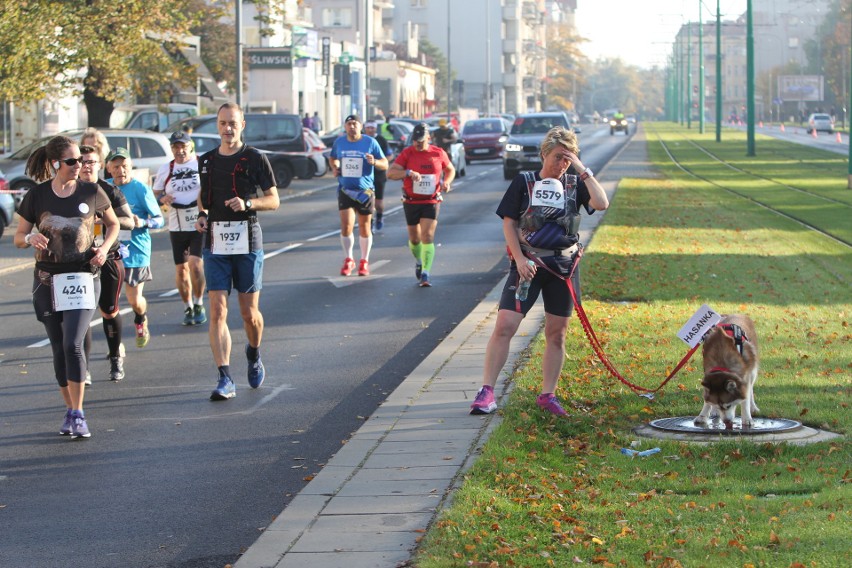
352, 117
180, 137
419, 132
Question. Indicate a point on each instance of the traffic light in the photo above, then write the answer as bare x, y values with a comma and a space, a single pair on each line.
342, 79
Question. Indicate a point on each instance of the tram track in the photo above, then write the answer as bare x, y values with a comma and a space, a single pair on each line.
787, 215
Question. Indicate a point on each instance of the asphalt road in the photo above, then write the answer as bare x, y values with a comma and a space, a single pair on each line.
171, 479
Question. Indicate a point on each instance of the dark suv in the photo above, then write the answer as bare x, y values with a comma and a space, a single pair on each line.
273, 134
522, 150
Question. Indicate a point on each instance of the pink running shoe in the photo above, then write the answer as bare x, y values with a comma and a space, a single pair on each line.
348, 265
550, 403
484, 402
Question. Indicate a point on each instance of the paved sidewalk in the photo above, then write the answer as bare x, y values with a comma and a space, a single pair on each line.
374, 500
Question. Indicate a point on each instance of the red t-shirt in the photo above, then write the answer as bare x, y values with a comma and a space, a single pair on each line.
430, 164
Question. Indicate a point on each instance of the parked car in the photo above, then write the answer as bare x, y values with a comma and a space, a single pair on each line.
820, 121
400, 131
148, 150
276, 132
317, 152
279, 136
150, 117
284, 164
456, 153
522, 150
7, 204
484, 138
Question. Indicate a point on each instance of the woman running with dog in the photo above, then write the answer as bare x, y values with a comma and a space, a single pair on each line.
541, 221
67, 263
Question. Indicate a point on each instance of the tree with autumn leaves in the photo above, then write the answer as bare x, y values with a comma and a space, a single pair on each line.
105, 50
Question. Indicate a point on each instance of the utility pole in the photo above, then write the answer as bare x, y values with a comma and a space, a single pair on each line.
689, 74
750, 80
449, 70
849, 159
238, 23
487, 57
700, 72
718, 73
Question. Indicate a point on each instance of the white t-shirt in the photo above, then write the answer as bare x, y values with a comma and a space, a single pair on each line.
183, 185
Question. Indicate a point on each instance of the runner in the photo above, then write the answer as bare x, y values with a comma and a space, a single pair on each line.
112, 271
65, 281
354, 158
177, 185
231, 176
381, 176
146, 216
426, 172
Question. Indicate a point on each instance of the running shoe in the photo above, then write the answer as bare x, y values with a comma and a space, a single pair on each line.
418, 270
484, 402
550, 403
348, 266
65, 429
224, 390
116, 368
363, 268
187, 317
256, 371
380, 224
88, 380
424, 280
199, 315
142, 334
79, 428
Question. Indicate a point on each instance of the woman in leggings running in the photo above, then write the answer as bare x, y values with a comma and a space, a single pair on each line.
65, 285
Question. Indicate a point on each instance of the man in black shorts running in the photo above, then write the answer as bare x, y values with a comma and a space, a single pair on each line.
112, 271
177, 185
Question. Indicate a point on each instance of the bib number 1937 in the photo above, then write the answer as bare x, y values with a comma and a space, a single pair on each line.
230, 237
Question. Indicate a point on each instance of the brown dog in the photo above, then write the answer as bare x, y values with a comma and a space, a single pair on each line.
730, 371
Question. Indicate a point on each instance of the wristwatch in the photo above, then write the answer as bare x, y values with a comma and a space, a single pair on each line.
248, 204
587, 173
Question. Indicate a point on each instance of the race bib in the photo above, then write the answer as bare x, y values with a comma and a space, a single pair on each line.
230, 237
548, 193
426, 185
352, 167
73, 291
183, 219
125, 235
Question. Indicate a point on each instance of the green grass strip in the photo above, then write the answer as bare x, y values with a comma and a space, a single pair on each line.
558, 492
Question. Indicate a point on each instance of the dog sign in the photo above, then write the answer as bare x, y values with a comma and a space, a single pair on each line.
698, 325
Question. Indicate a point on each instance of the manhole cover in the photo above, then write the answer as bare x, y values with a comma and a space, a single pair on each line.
760, 426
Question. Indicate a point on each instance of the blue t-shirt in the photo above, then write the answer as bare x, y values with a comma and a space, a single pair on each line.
142, 204
352, 162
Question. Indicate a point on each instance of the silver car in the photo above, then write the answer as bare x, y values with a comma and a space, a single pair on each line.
148, 150
7, 204
820, 121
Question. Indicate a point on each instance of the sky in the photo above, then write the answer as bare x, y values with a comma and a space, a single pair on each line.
641, 32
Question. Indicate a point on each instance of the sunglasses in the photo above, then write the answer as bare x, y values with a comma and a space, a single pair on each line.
87, 162
71, 162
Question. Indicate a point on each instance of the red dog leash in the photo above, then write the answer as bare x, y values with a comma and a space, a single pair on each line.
595, 342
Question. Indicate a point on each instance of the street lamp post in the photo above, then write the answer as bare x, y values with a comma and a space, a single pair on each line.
750, 79
718, 73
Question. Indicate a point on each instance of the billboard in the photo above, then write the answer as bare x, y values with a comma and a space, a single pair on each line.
792, 88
